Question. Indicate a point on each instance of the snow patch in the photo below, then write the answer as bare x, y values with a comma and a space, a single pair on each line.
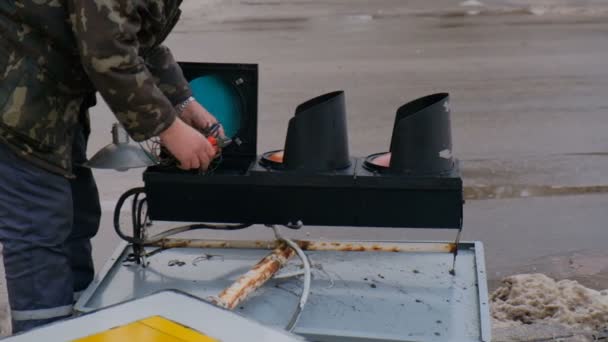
536, 298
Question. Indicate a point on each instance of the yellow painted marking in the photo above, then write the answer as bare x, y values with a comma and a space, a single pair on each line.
152, 329
175, 329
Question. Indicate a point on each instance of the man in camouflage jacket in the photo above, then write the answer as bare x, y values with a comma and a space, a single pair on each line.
54, 56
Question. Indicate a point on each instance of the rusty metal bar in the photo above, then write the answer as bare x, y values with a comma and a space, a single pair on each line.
339, 246
196, 243
376, 247
265, 269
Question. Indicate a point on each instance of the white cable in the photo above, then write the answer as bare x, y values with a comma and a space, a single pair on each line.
307, 279
286, 275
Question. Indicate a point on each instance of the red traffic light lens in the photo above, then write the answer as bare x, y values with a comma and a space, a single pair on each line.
382, 160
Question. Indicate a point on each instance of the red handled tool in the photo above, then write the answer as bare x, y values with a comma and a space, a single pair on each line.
219, 142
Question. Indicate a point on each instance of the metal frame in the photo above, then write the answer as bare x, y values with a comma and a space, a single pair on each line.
325, 334
484, 300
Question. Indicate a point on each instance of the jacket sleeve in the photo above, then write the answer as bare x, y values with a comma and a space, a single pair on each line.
168, 75
107, 36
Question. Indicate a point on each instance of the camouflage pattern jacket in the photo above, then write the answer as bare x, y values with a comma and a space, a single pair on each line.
54, 56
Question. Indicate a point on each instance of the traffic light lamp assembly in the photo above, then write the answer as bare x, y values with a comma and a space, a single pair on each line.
313, 179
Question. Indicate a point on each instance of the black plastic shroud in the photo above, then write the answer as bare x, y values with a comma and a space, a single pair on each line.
317, 137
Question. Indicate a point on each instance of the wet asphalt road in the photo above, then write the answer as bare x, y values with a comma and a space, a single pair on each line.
529, 89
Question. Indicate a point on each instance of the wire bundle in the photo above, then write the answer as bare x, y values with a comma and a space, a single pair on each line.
140, 221
164, 159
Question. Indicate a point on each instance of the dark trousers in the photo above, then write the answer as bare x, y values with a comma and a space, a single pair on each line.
46, 223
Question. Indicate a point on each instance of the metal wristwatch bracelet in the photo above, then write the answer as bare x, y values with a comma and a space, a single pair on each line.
182, 106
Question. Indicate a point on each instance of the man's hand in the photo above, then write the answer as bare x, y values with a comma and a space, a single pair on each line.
198, 117
188, 146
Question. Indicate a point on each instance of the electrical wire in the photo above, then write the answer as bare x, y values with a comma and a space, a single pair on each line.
287, 275
139, 223
165, 159
121, 200
148, 152
307, 278
214, 165
140, 220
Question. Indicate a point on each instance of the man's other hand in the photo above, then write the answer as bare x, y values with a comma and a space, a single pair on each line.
198, 117
188, 146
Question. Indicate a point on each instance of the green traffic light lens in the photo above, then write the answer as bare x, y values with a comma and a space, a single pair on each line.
221, 99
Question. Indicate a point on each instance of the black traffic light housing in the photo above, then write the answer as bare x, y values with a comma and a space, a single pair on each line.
315, 181
419, 163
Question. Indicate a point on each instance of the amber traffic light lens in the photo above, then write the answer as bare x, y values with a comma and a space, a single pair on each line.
273, 159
